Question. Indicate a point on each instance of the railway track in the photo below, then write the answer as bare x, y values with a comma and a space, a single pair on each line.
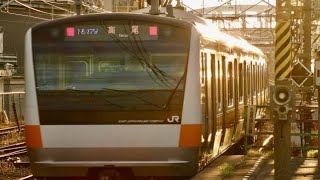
13, 150
7, 130
27, 177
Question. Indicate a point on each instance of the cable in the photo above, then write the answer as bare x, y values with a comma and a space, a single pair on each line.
40, 10
57, 7
21, 15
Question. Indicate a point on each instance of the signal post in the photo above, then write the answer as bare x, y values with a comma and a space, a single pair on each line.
283, 112
282, 94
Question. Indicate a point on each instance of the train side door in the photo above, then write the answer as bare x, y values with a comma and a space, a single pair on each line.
224, 99
212, 82
206, 104
218, 99
241, 98
209, 101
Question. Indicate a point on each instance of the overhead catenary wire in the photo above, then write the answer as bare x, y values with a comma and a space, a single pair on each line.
22, 4
89, 7
6, 4
57, 7
51, 3
141, 58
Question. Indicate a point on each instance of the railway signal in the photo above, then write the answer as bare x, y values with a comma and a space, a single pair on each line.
283, 102
282, 96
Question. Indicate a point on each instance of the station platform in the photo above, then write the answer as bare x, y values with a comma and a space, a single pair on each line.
258, 168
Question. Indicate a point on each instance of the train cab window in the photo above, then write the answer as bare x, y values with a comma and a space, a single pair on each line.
230, 83
110, 65
47, 73
74, 72
241, 82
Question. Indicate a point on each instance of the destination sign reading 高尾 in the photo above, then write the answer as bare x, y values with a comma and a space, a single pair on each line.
111, 32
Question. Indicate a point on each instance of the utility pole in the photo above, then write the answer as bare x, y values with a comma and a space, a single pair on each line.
108, 5
78, 7
307, 33
317, 84
282, 93
306, 55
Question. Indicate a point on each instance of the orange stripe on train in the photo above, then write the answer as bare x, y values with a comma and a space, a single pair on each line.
33, 136
190, 135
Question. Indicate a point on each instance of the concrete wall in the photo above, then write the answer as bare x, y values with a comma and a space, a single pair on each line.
13, 104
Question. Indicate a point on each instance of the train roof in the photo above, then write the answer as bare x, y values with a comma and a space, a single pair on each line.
208, 30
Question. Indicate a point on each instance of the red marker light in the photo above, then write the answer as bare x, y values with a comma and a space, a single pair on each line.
153, 31
70, 31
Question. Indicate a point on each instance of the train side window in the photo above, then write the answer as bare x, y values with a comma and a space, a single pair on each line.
230, 83
213, 74
254, 79
241, 79
259, 78
245, 82
249, 85
262, 78
202, 67
219, 80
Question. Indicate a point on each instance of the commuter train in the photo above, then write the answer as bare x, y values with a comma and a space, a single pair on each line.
134, 93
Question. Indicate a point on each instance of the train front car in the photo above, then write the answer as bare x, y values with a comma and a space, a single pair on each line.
108, 92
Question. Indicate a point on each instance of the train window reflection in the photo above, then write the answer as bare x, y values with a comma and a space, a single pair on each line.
202, 65
230, 82
219, 81
158, 71
241, 79
73, 71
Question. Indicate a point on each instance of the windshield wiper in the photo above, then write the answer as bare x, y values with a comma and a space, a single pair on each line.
74, 90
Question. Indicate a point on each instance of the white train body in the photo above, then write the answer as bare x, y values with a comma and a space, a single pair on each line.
155, 99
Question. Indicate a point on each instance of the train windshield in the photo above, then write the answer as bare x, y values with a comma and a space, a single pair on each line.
125, 64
